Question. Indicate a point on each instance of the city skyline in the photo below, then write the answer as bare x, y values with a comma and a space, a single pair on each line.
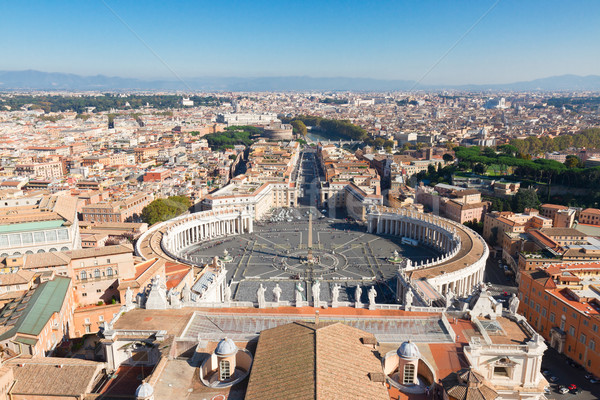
434, 43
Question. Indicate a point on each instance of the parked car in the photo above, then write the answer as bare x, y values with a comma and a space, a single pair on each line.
563, 390
553, 379
572, 386
547, 390
546, 372
594, 380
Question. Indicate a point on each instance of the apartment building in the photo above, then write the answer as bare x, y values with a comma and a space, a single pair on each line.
562, 302
453, 202
95, 271
496, 224
122, 210
590, 216
43, 170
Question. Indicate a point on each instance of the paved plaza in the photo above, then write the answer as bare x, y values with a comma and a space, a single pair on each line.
274, 254
386, 329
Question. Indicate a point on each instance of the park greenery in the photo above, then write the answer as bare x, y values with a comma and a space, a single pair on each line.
589, 138
333, 128
106, 102
164, 209
232, 136
508, 161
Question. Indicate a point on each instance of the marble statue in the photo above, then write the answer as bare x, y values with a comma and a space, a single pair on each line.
513, 304
129, 298
372, 296
260, 293
186, 294
299, 296
449, 297
335, 293
316, 292
227, 294
174, 298
357, 294
408, 298
276, 293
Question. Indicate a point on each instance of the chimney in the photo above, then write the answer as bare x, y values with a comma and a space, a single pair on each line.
316, 317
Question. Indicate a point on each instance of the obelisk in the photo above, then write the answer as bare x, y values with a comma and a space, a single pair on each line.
309, 245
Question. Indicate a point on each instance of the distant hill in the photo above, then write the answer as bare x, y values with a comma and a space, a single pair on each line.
37, 80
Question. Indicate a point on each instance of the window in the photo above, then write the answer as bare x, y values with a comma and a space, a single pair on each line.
87, 329
83, 294
582, 338
98, 290
224, 371
109, 272
87, 320
409, 374
552, 317
501, 371
592, 345
101, 318
571, 330
83, 275
586, 322
96, 273
595, 328
544, 312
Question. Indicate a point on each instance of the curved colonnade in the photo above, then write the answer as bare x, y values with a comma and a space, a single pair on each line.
457, 270
464, 252
169, 238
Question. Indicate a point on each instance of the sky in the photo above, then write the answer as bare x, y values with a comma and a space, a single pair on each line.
434, 42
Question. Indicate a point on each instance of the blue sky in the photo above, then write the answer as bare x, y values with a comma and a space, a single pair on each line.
517, 40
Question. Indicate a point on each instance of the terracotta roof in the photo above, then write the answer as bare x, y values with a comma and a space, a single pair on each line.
554, 206
62, 258
48, 376
591, 211
17, 278
467, 384
562, 232
308, 361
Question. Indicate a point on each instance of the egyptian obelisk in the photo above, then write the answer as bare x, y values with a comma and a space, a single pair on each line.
309, 245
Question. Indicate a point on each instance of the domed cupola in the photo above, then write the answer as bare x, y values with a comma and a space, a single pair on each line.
225, 348
144, 392
408, 351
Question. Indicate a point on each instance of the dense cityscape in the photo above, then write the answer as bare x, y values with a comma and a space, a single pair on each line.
315, 200
433, 244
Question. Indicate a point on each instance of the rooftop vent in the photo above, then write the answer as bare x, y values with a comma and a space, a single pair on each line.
377, 377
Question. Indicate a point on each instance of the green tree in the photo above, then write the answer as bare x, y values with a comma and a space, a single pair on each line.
164, 209
573, 162
479, 168
299, 127
525, 198
448, 157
